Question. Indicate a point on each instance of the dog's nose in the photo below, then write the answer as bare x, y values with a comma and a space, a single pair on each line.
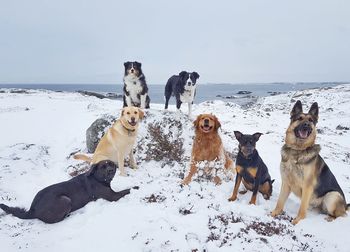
189, 83
206, 121
132, 70
305, 125
133, 119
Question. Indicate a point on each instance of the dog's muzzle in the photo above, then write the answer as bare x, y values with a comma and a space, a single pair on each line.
303, 131
206, 127
132, 122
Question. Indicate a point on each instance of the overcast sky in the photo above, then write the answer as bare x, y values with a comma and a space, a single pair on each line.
86, 41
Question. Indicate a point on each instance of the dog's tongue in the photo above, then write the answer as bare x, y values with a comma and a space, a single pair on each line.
303, 133
206, 127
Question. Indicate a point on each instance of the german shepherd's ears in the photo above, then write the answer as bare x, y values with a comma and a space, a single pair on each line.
314, 110
142, 114
182, 74
257, 136
92, 170
196, 75
297, 109
238, 135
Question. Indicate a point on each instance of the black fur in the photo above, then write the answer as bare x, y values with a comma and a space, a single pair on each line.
326, 180
55, 202
248, 157
176, 86
141, 78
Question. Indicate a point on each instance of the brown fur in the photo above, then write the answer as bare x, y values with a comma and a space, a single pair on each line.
118, 140
300, 168
207, 145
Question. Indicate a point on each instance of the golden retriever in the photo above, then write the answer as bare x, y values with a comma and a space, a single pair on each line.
207, 146
118, 141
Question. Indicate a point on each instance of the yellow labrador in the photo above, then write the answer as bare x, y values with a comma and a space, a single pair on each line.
118, 141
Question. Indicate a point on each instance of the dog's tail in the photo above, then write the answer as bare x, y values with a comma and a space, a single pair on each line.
18, 212
83, 157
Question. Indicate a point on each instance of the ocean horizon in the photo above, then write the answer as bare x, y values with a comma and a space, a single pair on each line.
236, 92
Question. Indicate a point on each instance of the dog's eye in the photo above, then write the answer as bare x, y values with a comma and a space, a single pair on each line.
128, 113
300, 118
135, 113
311, 120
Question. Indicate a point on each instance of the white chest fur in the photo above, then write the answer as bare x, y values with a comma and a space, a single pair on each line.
188, 95
134, 87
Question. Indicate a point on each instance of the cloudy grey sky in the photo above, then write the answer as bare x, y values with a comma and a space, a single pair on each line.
87, 41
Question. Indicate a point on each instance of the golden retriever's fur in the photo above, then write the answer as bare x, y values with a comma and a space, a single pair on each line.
118, 141
207, 145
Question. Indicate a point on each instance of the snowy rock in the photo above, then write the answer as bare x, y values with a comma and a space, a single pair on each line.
96, 130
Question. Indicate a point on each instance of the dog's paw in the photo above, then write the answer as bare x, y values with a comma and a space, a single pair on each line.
134, 166
136, 187
275, 212
297, 219
123, 174
232, 198
252, 202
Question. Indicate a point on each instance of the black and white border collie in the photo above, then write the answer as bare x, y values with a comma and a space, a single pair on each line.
135, 87
183, 87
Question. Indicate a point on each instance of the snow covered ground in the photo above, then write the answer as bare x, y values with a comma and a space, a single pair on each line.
40, 129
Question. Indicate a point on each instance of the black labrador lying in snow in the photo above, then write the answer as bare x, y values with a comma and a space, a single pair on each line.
55, 202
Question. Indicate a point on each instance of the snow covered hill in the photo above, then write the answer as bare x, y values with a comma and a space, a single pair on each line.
40, 129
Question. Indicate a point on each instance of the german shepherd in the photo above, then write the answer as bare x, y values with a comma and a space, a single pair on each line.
303, 170
251, 169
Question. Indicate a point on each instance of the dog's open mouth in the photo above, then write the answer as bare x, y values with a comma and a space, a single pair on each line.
132, 123
206, 128
303, 132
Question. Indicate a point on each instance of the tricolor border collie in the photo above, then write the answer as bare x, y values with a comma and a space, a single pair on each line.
135, 87
183, 87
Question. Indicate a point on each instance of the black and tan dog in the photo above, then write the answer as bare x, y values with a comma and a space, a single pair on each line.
53, 203
251, 169
303, 170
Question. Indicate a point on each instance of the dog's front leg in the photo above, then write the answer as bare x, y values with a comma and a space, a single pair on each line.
143, 100
284, 194
121, 164
128, 100
235, 190
306, 194
255, 190
132, 160
190, 109
110, 195
193, 170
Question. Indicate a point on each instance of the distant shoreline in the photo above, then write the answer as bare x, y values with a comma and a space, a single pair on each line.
237, 93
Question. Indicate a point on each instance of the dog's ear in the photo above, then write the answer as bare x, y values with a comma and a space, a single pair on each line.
138, 64
314, 110
92, 170
257, 136
142, 114
122, 114
217, 123
272, 181
238, 135
196, 75
126, 64
196, 122
297, 109
182, 74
